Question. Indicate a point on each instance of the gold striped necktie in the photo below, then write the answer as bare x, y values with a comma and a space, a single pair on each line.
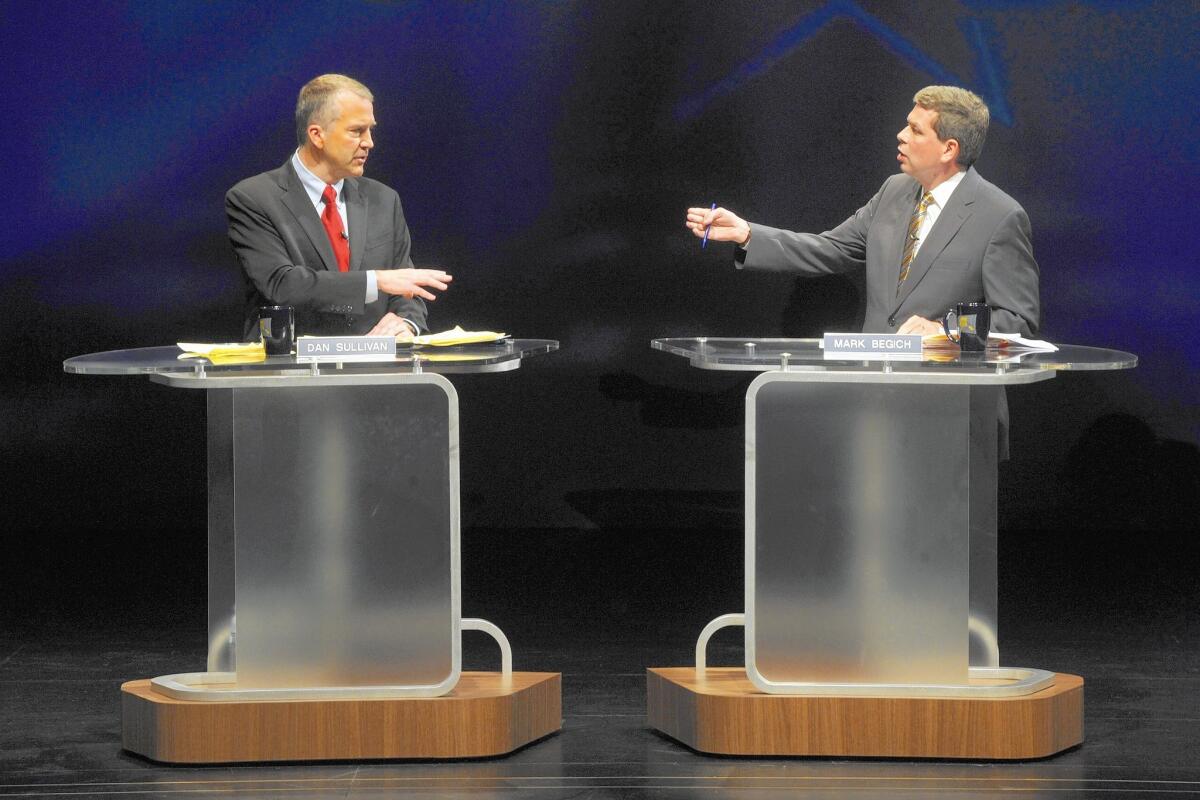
910, 241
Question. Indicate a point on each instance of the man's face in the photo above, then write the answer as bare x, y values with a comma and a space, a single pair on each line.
345, 144
922, 155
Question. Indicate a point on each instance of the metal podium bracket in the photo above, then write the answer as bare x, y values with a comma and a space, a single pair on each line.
723, 621
1016, 681
313, 376
222, 687
476, 624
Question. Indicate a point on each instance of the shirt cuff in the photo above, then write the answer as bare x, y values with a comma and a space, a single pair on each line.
739, 250
372, 287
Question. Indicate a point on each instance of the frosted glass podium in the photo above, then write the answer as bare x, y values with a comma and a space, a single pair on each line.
333, 553
870, 559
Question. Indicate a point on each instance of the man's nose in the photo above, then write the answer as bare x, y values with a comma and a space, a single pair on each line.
367, 141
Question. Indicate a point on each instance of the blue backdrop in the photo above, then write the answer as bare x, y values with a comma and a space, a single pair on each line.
545, 153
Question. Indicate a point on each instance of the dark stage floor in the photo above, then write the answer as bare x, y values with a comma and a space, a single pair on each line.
600, 606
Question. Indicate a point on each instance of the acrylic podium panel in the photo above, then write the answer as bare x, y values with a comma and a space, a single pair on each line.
345, 532
857, 500
871, 517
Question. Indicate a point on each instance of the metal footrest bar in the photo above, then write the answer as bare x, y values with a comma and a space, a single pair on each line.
222, 686
983, 681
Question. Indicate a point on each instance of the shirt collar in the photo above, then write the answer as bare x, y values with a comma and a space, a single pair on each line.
941, 193
314, 186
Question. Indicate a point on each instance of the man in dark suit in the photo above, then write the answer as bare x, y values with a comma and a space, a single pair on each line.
936, 235
316, 235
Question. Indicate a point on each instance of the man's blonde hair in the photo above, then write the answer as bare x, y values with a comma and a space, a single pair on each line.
317, 101
961, 115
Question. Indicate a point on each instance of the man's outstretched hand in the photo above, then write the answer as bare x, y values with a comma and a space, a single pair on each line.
726, 225
412, 282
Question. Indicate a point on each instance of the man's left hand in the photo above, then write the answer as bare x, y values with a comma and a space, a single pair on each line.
392, 325
915, 324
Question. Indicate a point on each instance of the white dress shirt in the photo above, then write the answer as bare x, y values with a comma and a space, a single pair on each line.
315, 187
941, 195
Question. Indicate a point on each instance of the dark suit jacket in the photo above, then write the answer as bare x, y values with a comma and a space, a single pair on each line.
978, 250
287, 260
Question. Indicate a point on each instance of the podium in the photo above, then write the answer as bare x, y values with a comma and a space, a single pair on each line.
870, 617
333, 557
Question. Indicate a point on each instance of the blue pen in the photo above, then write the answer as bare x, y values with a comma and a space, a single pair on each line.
704, 243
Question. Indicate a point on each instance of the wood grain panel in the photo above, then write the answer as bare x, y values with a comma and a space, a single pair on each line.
481, 717
724, 713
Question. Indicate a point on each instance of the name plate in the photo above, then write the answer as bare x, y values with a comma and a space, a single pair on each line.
873, 346
346, 348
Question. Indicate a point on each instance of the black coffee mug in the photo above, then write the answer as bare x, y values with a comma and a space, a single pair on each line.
974, 323
277, 325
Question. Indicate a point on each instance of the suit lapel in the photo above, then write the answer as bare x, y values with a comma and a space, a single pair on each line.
948, 224
356, 210
296, 200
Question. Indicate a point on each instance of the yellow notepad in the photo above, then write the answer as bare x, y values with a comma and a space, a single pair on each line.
231, 353
457, 335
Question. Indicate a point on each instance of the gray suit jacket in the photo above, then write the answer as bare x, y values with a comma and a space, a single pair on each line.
287, 259
978, 250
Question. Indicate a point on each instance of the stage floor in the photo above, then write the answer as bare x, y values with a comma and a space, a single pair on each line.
599, 607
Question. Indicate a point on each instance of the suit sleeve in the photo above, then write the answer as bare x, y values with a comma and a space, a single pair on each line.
1011, 277
839, 250
265, 260
411, 309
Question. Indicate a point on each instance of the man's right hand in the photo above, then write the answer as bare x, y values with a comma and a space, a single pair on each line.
409, 282
726, 225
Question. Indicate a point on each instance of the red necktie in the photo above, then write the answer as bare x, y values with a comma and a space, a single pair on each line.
332, 221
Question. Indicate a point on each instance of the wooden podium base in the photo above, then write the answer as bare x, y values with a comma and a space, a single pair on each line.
481, 717
724, 713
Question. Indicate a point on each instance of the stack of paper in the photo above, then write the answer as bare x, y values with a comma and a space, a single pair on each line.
457, 335
1013, 341
1000, 341
235, 353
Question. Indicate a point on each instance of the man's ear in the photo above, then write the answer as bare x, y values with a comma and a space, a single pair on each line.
950, 151
316, 136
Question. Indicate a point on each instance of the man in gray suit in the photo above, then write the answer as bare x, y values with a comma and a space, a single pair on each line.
316, 235
936, 235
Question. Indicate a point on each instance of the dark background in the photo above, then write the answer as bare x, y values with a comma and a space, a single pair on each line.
545, 153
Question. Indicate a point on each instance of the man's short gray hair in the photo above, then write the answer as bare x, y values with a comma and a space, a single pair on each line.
317, 101
961, 115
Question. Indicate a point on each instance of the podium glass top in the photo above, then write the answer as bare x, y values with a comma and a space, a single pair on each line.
761, 355
489, 357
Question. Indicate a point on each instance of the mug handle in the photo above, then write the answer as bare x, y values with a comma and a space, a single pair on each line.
946, 325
